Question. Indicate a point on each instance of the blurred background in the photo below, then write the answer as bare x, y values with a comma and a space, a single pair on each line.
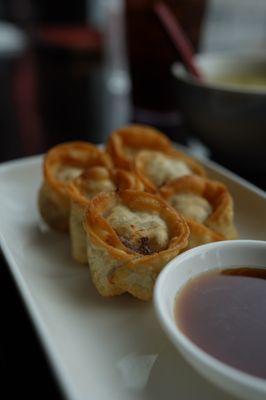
76, 70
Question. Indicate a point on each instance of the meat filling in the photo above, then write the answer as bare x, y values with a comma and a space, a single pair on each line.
162, 169
142, 232
192, 206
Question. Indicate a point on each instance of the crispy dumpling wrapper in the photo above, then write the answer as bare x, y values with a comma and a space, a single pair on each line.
131, 236
156, 168
126, 142
206, 205
62, 164
82, 189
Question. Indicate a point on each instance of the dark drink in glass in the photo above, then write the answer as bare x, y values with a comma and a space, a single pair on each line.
151, 53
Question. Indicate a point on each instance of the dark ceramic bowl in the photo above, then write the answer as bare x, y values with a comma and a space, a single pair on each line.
229, 119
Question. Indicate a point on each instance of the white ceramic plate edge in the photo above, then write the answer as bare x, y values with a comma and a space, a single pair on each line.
41, 329
39, 324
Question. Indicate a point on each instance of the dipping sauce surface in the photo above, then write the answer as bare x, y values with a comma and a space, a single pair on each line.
224, 313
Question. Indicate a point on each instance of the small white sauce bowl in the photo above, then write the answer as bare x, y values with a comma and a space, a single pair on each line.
233, 254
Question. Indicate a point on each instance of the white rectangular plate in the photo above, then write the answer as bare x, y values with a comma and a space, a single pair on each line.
104, 349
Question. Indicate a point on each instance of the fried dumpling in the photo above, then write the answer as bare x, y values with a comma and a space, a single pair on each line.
126, 142
206, 205
62, 164
81, 190
131, 235
157, 168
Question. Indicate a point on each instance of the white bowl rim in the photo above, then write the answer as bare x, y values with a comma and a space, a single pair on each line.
170, 327
179, 72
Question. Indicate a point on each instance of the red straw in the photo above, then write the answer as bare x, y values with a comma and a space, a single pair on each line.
178, 36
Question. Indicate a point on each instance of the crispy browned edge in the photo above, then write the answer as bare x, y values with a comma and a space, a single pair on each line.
122, 179
140, 166
137, 137
103, 235
220, 224
53, 198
